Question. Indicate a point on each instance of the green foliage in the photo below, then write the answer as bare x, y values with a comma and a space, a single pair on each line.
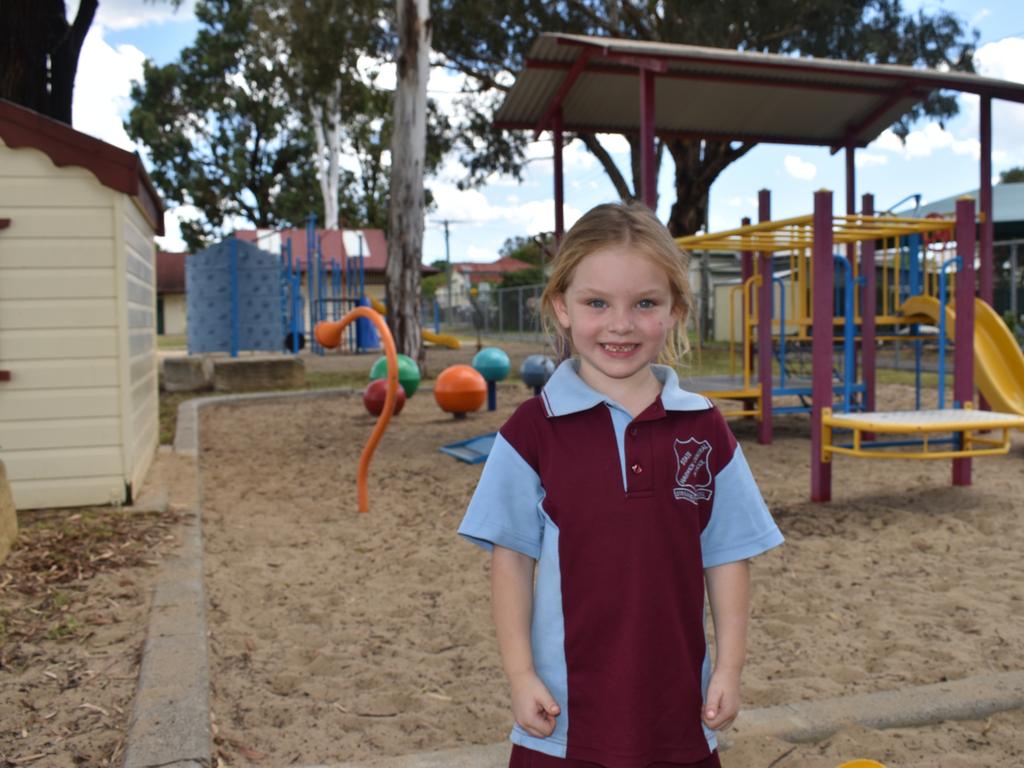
486, 40
528, 249
532, 276
1012, 175
220, 131
229, 127
430, 284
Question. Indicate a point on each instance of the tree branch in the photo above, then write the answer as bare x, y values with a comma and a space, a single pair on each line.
597, 150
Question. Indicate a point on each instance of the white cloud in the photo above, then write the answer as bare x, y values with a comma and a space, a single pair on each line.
800, 169
866, 159
172, 240
129, 14
478, 254
103, 88
1003, 59
924, 141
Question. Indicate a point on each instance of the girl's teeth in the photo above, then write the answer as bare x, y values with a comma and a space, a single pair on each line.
619, 347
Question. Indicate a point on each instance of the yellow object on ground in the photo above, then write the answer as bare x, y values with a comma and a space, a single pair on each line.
862, 764
998, 360
441, 339
973, 425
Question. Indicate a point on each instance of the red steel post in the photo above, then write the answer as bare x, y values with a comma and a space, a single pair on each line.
821, 341
963, 354
764, 325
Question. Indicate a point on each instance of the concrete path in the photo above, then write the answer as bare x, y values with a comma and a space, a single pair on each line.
170, 726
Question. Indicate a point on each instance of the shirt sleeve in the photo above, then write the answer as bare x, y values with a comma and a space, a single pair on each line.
506, 507
741, 525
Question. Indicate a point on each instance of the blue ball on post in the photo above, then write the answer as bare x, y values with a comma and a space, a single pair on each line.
493, 364
536, 370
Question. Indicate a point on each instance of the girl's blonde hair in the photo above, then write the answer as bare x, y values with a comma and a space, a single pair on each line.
632, 225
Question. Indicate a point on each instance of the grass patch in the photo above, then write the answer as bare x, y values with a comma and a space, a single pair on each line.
172, 341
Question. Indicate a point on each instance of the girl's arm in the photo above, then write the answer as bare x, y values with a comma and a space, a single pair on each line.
512, 601
729, 592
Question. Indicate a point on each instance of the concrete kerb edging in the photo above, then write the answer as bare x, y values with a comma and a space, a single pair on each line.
170, 724
972, 698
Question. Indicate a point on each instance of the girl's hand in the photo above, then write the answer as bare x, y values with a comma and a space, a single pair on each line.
723, 699
533, 706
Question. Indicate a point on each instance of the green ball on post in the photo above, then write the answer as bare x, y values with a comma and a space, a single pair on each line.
408, 373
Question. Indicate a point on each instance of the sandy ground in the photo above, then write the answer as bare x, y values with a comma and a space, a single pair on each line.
338, 636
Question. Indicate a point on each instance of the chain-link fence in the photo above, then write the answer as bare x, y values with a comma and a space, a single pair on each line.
498, 313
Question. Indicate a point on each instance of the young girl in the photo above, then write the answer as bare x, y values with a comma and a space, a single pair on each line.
629, 495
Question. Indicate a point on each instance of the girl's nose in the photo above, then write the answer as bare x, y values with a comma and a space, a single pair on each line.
621, 321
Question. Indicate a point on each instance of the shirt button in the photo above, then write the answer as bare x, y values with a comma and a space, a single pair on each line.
633, 431
637, 469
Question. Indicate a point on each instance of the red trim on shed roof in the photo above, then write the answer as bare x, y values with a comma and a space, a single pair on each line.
113, 167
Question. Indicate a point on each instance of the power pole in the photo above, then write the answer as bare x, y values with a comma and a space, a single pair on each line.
448, 269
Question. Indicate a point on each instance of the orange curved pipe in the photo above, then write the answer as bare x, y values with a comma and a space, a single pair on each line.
329, 335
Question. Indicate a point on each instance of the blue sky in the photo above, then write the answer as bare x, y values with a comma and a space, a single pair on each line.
935, 162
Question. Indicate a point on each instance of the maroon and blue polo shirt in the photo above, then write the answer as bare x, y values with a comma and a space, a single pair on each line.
623, 515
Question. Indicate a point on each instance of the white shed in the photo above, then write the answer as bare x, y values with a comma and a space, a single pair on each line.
78, 366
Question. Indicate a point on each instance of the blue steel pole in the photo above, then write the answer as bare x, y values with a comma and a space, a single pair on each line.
233, 261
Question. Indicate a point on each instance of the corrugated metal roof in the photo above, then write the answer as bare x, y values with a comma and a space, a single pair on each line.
719, 93
1007, 203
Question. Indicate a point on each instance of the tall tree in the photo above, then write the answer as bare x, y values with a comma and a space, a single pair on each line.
408, 158
322, 43
487, 40
221, 131
39, 53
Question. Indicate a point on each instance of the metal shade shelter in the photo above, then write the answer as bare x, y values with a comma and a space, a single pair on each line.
608, 85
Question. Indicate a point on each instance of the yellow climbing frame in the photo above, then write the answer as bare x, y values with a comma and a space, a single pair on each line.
967, 422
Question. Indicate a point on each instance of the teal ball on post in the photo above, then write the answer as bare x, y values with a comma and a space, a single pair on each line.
493, 364
408, 373
536, 370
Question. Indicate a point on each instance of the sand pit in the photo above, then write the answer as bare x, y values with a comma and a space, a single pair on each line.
337, 636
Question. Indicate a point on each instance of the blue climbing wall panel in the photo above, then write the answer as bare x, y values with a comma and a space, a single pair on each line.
208, 288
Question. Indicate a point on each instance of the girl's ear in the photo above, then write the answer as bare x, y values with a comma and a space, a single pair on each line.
561, 311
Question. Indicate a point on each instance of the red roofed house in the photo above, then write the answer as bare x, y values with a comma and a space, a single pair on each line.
365, 247
78, 362
170, 293
467, 275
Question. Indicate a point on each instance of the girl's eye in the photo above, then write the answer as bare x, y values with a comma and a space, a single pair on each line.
596, 303
646, 303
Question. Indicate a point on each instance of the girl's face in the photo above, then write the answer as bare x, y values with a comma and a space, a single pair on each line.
617, 309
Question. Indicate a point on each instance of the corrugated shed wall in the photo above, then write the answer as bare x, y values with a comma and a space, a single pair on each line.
63, 317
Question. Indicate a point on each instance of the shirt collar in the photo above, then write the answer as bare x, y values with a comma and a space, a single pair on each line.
567, 393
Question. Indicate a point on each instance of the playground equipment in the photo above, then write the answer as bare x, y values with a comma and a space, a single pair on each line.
472, 451
861, 763
460, 389
408, 372
376, 394
441, 339
493, 364
912, 258
329, 335
536, 370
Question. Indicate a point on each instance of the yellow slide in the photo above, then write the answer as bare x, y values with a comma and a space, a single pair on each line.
998, 360
441, 339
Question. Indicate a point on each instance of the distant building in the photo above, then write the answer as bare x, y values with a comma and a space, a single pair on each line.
482, 276
170, 293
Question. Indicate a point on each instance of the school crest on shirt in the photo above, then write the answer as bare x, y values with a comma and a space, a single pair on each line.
693, 472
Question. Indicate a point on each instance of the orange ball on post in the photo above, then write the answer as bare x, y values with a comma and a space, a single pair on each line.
460, 389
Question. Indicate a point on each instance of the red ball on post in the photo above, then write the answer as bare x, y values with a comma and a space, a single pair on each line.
376, 393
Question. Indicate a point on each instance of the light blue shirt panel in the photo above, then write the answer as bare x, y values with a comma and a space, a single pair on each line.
741, 525
548, 644
506, 507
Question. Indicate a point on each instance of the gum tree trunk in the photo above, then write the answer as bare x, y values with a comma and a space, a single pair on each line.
408, 155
